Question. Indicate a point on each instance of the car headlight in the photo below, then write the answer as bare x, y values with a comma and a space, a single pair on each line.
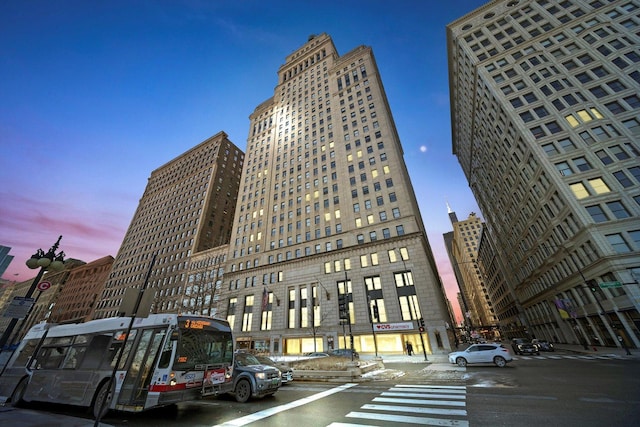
261, 375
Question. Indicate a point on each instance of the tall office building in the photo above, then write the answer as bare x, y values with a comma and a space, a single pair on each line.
5, 259
328, 244
545, 123
462, 247
187, 207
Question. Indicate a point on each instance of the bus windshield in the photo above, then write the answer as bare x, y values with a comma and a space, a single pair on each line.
202, 343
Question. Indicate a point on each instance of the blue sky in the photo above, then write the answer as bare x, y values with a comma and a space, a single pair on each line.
94, 95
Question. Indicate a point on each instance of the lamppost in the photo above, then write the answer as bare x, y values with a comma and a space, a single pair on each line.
44, 261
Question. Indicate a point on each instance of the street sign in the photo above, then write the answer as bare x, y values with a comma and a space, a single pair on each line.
605, 285
19, 307
43, 286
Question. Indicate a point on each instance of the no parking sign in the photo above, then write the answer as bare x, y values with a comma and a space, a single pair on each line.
43, 286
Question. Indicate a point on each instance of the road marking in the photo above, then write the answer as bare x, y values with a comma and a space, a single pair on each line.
281, 408
409, 419
450, 387
415, 410
440, 396
420, 401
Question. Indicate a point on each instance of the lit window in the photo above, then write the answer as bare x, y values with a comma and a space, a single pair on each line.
579, 190
599, 186
572, 120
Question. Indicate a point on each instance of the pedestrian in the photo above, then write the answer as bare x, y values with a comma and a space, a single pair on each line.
409, 348
624, 345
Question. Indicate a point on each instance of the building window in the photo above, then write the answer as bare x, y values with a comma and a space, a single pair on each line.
618, 244
579, 190
618, 209
599, 186
623, 179
597, 214
564, 168
247, 315
582, 164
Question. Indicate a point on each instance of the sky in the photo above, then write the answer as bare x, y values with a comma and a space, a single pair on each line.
94, 95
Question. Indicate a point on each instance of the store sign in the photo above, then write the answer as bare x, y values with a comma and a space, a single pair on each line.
403, 326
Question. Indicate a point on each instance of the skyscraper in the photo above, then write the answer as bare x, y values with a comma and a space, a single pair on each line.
187, 207
327, 216
545, 123
462, 246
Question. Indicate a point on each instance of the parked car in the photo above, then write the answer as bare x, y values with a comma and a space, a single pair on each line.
285, 370
344, 352
544, 345
522, 346
316, 354
252, 378
482, 353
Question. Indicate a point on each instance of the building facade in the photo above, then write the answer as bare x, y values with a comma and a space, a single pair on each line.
187, 207
545, 124
77, 299
327, 216
480, 318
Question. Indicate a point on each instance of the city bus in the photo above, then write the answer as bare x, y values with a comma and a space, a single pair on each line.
163, 359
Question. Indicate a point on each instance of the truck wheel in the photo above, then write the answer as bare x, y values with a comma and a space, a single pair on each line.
242, 390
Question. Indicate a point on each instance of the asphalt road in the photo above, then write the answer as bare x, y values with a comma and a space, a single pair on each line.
555, 389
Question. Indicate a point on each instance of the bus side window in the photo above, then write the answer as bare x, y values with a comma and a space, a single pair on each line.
96, 351
26, 354
52, 357
74, 357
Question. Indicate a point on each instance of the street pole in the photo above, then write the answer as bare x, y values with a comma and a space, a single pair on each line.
45, 261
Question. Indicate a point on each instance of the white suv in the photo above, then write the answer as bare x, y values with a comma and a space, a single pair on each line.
482, 353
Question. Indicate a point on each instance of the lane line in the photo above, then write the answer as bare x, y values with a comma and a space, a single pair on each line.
281, 408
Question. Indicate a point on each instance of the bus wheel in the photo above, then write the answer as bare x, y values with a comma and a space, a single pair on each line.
18, 393
242, 391
102, 400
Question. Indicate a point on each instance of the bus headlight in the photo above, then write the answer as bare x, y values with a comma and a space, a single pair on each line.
172, 380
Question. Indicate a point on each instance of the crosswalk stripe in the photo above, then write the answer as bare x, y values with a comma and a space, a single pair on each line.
440, 396
428, 386
349, 425
429, 390
409, 419
415, 409
419, 401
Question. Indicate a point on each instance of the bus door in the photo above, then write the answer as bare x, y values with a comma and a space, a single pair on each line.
135, 387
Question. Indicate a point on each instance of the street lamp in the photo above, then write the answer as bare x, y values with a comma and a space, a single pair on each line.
44, 261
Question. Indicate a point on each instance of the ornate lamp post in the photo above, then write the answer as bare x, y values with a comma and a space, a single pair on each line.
44, 261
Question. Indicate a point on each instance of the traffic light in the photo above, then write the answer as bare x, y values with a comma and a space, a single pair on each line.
343, 307
421, 324
593, 285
